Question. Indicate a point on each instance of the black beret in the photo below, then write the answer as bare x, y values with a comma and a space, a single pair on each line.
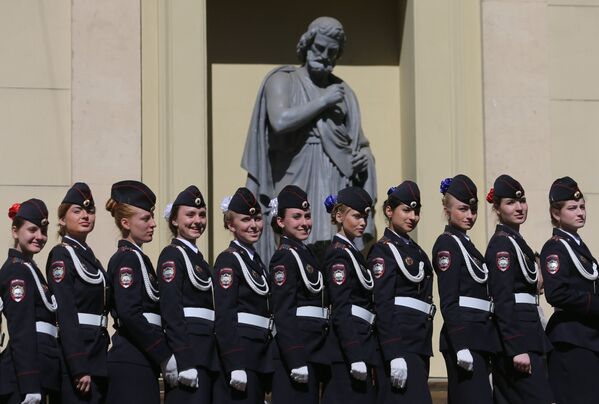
80, 194
34, 211
190, 196
134, 193
564, 189
292, 197
407, 193
244, 202
356, 198
507, 187
463, 189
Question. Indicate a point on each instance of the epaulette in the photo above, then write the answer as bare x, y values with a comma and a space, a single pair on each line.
124, 248
17, 260
285, 247
338, 244
230, 250
502, 233
447, 233
556, 238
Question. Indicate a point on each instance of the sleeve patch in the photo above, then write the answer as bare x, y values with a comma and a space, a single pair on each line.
225, 278
17, 290
279, 275
125, 277
552, 263
502, 259
378, 267
57, 269
168, 271
339, 275
443, 260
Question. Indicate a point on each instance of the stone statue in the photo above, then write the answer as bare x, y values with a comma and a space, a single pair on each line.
306, 130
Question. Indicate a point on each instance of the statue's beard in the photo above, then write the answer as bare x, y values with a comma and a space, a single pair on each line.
320, 66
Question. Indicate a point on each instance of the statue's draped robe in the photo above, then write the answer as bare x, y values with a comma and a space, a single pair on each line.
317, 157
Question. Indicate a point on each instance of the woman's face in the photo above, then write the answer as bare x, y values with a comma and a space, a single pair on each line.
512, 212
296, 224
246, 228
190, 222
30, 238
572, 216
353, 223
78, 222
460, 214
140, 226
402, 219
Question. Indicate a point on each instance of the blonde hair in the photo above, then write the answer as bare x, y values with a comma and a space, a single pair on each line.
120, 211
63, 208
228, 218
338, 208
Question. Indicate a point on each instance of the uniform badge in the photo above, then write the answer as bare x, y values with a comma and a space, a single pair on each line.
279, 275
309, 269
503, 260
443, 260
125, 277
255, 274
409, 261
552, 264
339, 274
169, 270
378, 267
17, 290
225, 278
57, 270
199, 269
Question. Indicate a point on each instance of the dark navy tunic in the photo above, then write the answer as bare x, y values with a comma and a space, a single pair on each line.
84, 346
190, 338
31, 361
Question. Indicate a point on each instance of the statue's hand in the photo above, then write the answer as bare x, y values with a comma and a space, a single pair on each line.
333, 95
359, 161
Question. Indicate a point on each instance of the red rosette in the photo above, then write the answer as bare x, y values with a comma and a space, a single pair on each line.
490, 195
13, 210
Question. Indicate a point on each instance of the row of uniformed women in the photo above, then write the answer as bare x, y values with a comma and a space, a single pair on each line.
312, 358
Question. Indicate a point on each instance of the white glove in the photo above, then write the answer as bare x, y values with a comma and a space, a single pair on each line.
399, 373
359, 371
32, 398
189, 377
300, 374
465, 360
239, 380
169, 371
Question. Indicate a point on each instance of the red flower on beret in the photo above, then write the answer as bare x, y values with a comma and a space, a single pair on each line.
490, 195
13, 210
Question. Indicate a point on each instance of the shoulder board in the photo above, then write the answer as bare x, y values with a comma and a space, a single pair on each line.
17, 260
446, 233
385, 240
502, 233
125, 249
556, 238
231, 250
285, 247
338, 244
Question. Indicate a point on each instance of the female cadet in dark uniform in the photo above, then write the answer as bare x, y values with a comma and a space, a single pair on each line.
570, 277
468, 337
243, 319
78, 281
520, 371
30, 365
186, 301
298, 302
349, 284
403, 289
138, 347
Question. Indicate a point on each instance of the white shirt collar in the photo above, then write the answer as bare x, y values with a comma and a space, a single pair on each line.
342, 237
575, 237
250, 253
188, 244
72, 239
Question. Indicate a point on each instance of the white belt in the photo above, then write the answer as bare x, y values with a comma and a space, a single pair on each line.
527, 298
478, 304
312, 311
416, 304
362, 313
153, 318
92, 319
46, 328
256, 320
199, 312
